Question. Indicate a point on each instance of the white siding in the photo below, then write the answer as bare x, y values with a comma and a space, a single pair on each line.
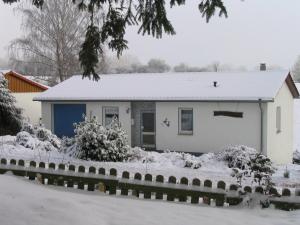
211, 134
280, 144
31, 109
93, 109
47, 115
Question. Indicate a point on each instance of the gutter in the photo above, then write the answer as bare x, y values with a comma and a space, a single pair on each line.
261, 125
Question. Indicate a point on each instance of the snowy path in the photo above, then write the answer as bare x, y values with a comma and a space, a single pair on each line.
24, 202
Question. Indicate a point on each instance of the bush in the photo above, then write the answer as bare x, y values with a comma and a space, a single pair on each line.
262, 170
237, 156
37, 137
96, 142
25, 139
247, 162
296, 157
179, 159
10, 115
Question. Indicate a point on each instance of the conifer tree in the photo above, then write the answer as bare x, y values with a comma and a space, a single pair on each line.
10, 115
149, 15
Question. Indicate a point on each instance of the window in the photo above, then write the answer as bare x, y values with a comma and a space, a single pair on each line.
228, 114
109, 113
185, 121
278, 119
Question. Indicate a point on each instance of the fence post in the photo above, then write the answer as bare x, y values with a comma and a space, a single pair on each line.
207, 199
70, 182
248, 189
124, 190
171, 193
13, 162
32, 175
101, 171
159, 179
112, 186
62, 167
91, 183
220, 200
195, 197
3, 162
136, 192
147, 193
183, 196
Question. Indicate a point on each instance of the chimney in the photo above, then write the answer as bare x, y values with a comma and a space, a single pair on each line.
263, 67
215, 83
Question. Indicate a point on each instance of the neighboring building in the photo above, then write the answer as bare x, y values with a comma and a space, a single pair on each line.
190, 112
24, 90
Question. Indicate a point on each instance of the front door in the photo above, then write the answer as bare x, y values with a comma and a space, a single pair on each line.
148, 130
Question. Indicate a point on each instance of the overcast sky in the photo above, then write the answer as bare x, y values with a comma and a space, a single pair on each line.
255, 31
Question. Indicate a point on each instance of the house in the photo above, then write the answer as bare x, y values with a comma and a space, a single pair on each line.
190, 112
24, 90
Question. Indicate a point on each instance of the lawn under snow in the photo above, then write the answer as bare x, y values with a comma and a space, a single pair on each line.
25, 202
166, 164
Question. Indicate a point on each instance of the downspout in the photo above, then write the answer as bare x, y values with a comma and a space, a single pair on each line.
261, 125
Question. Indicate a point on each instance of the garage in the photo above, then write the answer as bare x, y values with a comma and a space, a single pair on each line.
65, 115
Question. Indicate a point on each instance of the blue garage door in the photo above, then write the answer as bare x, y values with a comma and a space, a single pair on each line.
65, 115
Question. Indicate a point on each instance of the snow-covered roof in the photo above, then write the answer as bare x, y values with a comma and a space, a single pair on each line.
28, 79
231, 86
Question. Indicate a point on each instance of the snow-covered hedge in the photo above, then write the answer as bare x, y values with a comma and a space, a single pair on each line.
296, 157
237, 156
96, 142
179, 159
36, 137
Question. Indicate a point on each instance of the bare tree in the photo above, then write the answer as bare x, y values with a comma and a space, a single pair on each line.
296, 70
52, 40
182, 67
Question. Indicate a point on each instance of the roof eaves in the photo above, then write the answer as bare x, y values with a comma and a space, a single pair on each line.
15, 74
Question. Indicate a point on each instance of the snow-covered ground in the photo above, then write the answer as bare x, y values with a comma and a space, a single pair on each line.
164, 164
25, 202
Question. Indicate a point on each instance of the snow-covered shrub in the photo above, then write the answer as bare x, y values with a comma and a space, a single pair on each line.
29, 128
10, 115
239, 175
178, 159
262, 170
25, 139
237, 156
96, 142
36, 137
286, 174
247, 162
45, 135
296, 157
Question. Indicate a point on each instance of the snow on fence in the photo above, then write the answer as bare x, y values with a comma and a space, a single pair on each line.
149, 187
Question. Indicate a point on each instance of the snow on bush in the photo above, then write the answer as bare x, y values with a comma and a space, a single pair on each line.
10, 115
262, 169
178, 159
247, 162
237, 156
98, 143
296, 157
38, 138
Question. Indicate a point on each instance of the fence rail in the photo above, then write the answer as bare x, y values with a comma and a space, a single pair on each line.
148, 187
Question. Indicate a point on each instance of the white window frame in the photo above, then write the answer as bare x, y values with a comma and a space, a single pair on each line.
104, 109
278, 119
185, 132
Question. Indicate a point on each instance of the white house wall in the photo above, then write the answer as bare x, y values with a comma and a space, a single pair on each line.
95, 109
280, 145
211, 133
31, 109
92, 109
